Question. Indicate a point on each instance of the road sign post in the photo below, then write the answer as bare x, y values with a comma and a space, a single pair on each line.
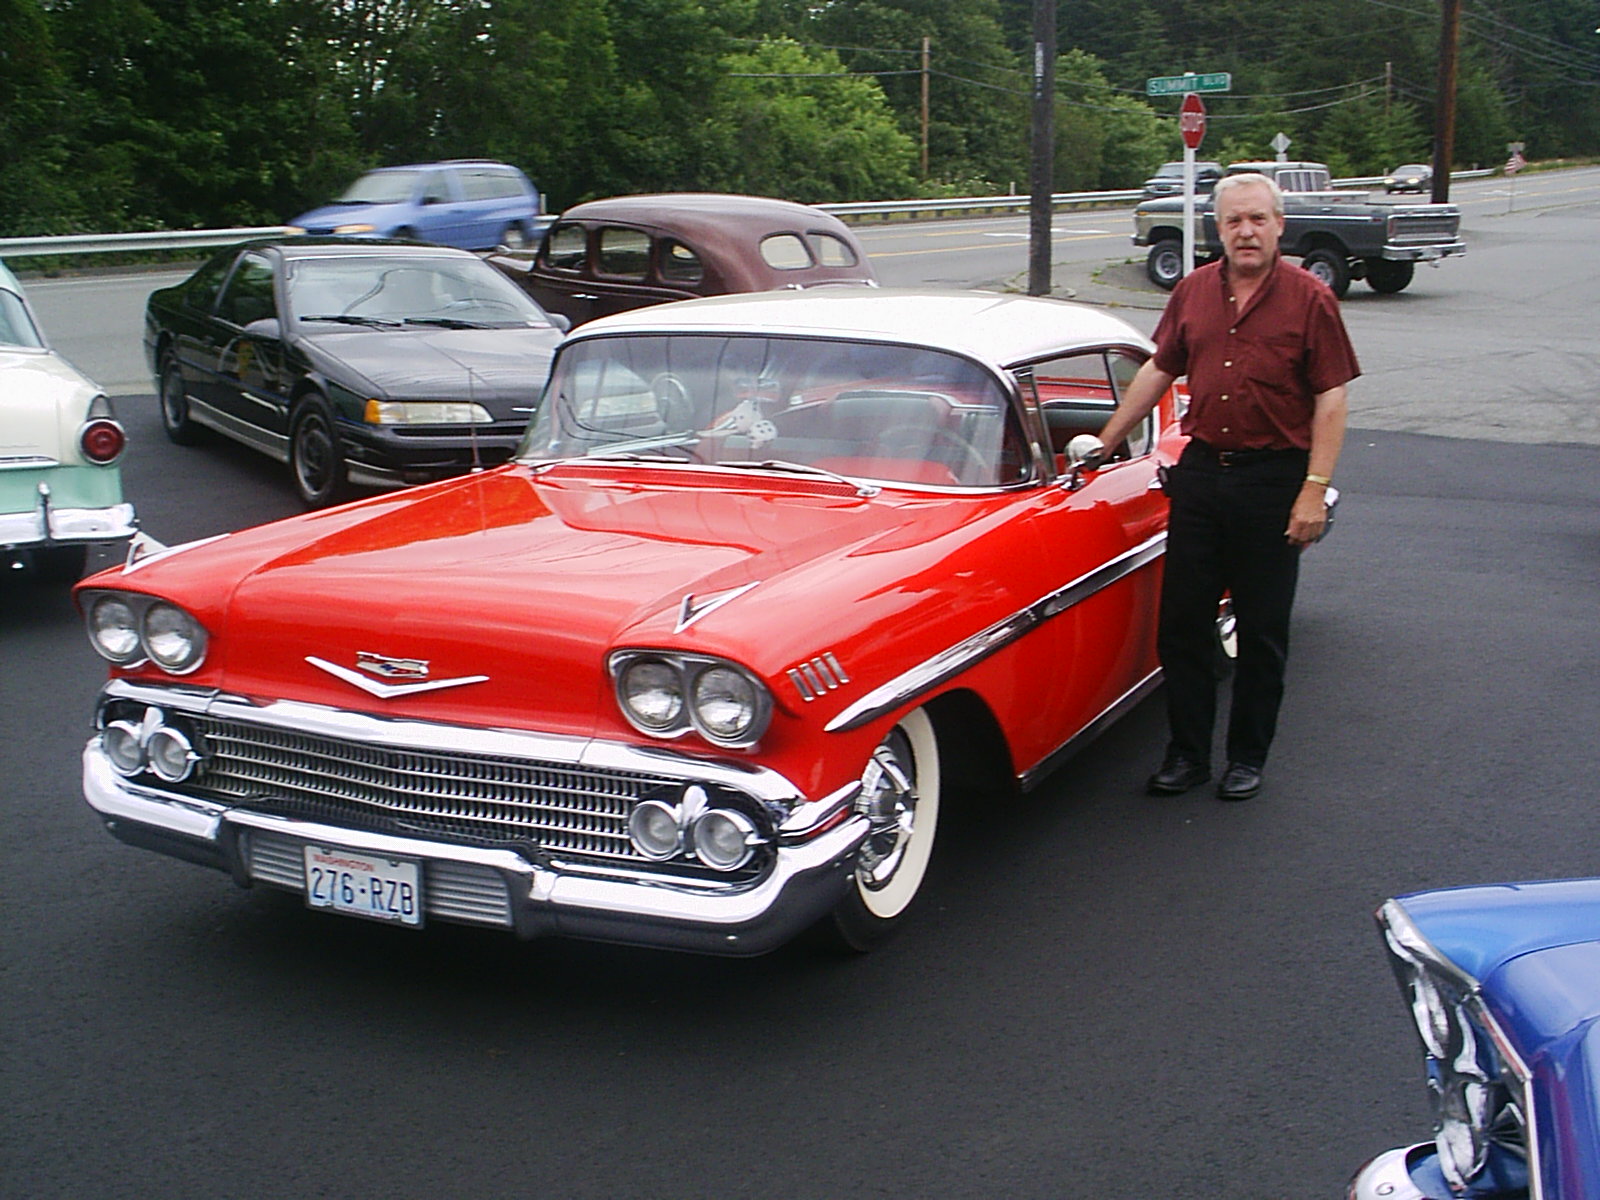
1192, 128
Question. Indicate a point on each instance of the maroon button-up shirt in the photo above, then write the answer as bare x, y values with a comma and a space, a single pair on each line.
1254, 373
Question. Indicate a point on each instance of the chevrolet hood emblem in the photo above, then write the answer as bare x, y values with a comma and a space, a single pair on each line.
400, 668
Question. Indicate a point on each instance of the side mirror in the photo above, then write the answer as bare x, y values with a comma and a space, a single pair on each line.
1085, 452
266, 329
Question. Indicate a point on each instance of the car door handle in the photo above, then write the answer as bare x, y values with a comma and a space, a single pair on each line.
584, 296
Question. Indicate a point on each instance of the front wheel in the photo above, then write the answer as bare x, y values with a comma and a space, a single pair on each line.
1388, 277
175, 419
316, 459
516, 237
1330, 267
1164, 263
900, 798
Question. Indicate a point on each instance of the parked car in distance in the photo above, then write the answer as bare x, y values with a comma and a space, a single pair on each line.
1168, 179
1409, 177
60, 452
377, 364
468, 203
612, 255
771, 581
1503, 983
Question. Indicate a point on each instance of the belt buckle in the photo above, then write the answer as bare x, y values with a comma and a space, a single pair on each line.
1225, 457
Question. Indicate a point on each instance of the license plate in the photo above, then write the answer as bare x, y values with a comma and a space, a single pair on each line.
364, 885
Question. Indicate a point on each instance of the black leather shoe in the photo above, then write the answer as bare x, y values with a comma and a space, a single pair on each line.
1239, 782
1177, 775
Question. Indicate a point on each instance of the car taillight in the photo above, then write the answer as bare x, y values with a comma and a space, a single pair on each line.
102, 441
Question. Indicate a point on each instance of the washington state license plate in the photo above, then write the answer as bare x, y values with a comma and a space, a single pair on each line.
364, 885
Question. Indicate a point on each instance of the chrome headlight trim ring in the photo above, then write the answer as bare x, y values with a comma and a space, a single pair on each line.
689, 671
152, 630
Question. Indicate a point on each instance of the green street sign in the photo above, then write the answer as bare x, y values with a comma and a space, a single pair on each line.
1177, 85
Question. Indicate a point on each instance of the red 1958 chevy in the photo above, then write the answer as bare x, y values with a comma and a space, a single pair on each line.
769, 580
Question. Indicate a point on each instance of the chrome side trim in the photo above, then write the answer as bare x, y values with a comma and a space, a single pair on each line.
1036, 775
273, 445
946, 665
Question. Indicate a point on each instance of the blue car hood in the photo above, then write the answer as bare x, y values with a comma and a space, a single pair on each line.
330, 215
1534, 949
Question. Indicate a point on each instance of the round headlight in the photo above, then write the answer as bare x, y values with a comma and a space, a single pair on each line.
726, 703
653, 826
114, 630
171, 755
724, 839
174, 638
123, 745
653, 694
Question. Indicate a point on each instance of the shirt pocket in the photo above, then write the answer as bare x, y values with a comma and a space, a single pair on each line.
1275, 362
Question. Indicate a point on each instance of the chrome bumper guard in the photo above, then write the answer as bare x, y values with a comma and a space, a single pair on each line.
48, 525
500, 887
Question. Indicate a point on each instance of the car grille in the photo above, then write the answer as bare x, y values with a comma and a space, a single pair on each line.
1422, 228
473, 798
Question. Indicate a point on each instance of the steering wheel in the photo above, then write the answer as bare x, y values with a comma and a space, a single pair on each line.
673, 402
964, 459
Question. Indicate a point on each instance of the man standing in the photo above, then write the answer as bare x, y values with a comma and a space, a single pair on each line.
1267, 358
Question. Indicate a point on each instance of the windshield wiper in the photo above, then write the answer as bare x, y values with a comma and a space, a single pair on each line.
347, 319
780, 464
446, 322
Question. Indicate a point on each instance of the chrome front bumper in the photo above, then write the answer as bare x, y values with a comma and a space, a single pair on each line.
495, 886
47, 525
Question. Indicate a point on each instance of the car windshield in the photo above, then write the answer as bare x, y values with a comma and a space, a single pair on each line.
380, 187
897, 414
16, 326
368, 290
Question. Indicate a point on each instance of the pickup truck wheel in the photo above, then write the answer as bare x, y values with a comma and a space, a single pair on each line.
1387, 276
1164, 263
900, 796
316, 460
1331, 268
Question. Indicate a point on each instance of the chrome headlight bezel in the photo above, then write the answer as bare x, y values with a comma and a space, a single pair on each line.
726, 704
130, 628
1476, 1080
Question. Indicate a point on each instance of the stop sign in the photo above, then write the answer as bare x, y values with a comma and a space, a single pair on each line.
1192, 120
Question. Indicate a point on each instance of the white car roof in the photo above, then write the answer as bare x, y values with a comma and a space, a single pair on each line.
991, 327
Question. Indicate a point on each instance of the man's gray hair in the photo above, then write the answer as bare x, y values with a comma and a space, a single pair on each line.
1228, 182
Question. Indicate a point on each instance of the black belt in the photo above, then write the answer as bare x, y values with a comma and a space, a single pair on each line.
1206, 452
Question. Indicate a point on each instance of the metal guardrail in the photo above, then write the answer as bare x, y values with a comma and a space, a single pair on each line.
202, 239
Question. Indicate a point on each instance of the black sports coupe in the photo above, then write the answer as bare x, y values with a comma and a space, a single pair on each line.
358, 363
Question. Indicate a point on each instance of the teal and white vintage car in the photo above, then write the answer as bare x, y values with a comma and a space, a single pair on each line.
60, 450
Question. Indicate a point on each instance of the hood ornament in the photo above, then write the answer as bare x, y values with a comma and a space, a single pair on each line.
414, 670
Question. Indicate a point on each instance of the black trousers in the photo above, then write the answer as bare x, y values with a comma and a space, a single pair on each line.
1226, 536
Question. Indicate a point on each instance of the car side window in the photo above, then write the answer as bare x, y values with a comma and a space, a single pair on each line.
624, 253
567, 248
1077, 393
248, 296
485, 183
832, 251
201, 293
437, 189
785, 252
679, 264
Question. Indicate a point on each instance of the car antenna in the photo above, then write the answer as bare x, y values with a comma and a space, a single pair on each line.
472, 425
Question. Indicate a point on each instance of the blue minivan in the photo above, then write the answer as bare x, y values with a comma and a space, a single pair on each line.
469, 203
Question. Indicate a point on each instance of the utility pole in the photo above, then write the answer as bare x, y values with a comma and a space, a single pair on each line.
926, 56
1042, 174
1444, 120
